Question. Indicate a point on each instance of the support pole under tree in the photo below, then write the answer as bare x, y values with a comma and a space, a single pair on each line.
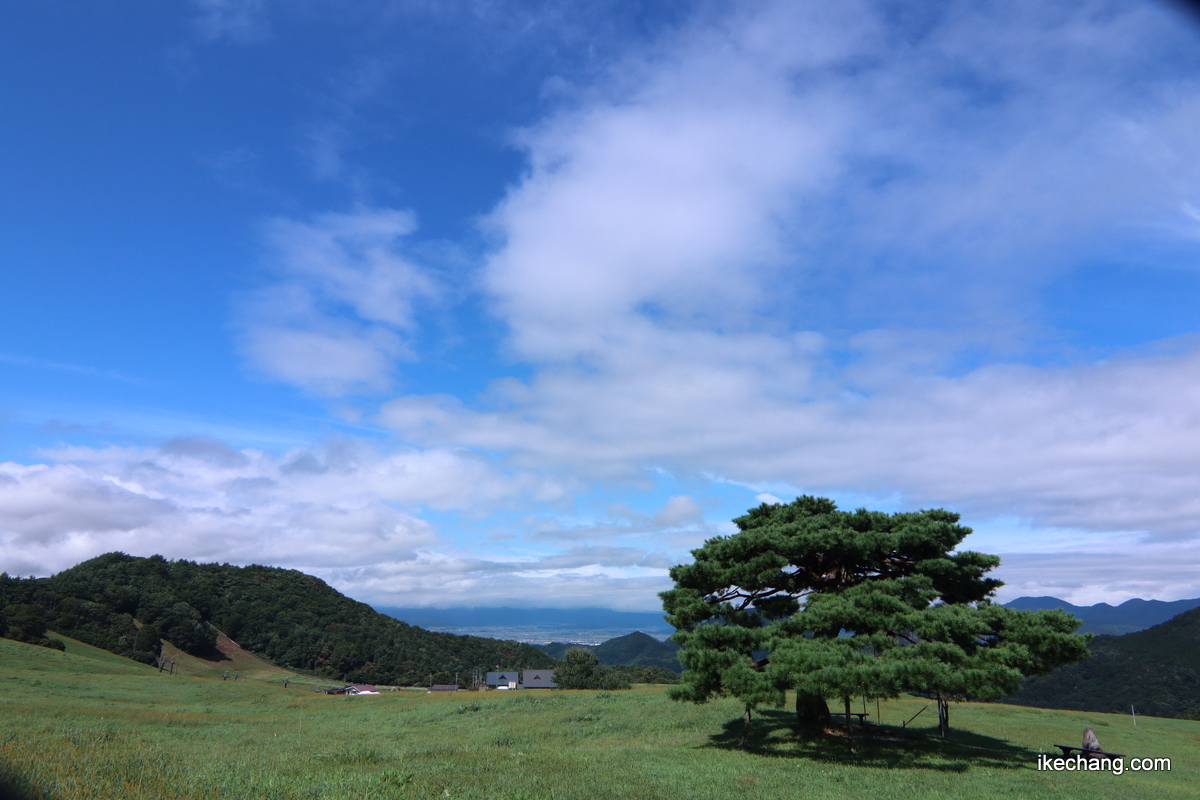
849, 728
943, 715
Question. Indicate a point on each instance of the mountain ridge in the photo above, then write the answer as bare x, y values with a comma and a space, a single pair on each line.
1130, 616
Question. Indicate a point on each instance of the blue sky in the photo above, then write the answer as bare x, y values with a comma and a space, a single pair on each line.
517, 303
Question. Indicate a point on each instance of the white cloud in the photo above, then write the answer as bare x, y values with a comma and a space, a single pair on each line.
459, 580
756, 252
749, 259
929, 173
1110, 571
679, 511
337, 321
233, 20
197, 497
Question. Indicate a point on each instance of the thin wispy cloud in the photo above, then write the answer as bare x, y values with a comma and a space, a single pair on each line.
336, 320
76, 369
238, 21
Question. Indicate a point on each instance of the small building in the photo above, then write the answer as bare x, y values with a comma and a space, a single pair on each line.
538, 679
504, 680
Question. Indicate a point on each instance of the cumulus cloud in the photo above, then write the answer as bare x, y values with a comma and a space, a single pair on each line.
890, 173
198, 497
744, 258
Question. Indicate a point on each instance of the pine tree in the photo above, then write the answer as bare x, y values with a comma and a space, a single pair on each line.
853, 604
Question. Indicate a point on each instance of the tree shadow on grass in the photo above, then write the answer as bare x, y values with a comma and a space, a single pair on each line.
14, 787
774, 734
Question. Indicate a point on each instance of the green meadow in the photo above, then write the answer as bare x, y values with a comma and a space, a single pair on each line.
84, 724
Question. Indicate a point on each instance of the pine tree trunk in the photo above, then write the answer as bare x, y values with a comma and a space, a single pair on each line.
943, 715
745, 728
811, 709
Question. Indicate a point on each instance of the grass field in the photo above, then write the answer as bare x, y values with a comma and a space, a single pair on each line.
76, 726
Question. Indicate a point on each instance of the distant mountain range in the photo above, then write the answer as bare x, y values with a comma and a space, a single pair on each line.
596, 625
1129, 617
540, 625
1156, 670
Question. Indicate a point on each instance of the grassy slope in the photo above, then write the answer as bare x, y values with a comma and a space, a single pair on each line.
78, 648
73, 727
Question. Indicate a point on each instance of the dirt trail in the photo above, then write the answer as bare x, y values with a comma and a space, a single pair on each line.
229, 657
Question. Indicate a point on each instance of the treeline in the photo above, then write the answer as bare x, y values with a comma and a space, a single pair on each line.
125, 604
581, 670
22, 612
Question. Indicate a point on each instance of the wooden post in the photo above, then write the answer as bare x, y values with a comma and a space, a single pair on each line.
849, 729
1133, 711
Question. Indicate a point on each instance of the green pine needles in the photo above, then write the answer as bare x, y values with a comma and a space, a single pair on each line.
853, 604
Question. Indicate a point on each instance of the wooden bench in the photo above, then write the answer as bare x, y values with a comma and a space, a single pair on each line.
862, 716
1090, 754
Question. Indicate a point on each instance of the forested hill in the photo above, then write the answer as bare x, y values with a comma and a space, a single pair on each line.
635, 649
292, 619
1157, 670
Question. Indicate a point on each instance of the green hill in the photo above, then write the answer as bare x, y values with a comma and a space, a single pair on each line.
636, 649
1156, 670
292, 619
